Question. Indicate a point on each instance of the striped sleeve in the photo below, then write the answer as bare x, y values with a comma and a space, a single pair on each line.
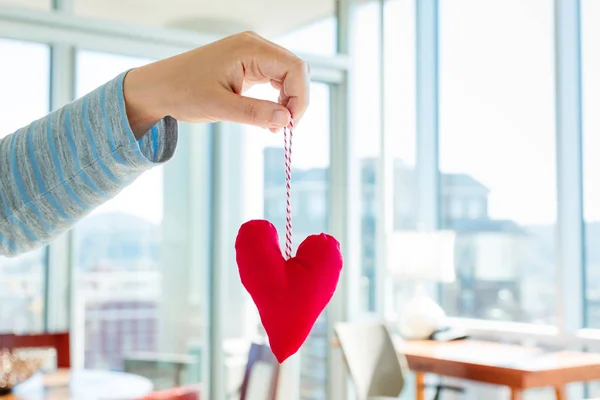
61, 167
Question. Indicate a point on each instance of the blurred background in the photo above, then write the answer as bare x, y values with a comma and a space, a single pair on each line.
425, 114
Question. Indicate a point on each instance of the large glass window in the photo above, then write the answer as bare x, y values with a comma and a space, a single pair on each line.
400, 132
117, 274
24, 98
497, 157
590, 31
310, 195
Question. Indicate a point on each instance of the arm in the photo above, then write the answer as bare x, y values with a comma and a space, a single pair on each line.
59, 168
56, 170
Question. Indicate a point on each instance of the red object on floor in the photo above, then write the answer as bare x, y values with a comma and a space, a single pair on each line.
191, 392
289, 294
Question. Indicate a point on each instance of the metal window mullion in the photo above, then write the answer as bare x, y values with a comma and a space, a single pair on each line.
59, 275
384, 179
216, 381
344, 204
569, 223
344, 224
427, 102
569, 219
427, 126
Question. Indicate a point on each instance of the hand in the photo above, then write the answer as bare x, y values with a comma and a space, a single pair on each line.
206, 85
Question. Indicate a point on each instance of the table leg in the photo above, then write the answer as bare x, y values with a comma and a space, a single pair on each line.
516, 394
420, 385
561, 394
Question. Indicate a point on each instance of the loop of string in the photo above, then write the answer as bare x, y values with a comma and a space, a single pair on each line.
287, 152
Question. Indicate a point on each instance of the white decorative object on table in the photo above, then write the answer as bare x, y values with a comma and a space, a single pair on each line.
420, 257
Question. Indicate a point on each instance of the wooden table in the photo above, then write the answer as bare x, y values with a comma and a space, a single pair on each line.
82, 385
518, 367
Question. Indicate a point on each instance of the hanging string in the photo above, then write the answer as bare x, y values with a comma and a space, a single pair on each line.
287, 151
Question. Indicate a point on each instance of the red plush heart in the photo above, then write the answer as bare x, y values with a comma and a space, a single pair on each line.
290, 295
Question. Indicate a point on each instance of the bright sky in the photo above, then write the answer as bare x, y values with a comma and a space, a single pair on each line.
496, 101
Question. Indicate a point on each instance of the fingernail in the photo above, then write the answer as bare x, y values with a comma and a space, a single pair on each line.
280, 118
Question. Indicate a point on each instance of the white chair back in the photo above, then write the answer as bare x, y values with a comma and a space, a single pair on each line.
375, 367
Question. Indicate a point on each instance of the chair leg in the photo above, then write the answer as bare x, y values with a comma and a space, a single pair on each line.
516, 394
438, 392
420, 385
560, 393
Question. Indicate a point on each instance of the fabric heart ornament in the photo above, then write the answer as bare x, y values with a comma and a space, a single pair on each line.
290, 294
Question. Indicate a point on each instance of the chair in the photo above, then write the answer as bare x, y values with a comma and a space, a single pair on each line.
375, 367
261, 377
59, 341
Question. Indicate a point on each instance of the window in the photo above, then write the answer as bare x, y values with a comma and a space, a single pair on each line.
475, 209
305, 27
310, 168
399, 127
590, 15
456, 209
117, 274
24, 97
497, 147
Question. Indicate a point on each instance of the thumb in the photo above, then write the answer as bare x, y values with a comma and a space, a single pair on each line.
251, 111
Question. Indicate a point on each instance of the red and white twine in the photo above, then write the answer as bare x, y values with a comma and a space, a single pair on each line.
287, 151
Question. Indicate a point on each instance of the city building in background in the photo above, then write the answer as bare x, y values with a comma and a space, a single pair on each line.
496, 260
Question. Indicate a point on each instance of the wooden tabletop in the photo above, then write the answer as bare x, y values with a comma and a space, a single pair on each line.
501, 364
82, 385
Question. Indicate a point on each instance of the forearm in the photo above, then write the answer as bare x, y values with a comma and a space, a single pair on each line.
59, 168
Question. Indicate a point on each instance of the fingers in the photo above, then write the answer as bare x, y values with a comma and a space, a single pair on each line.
287, 72
295, 91
261, 113
276, 84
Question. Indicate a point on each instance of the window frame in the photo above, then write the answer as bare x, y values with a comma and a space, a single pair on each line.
65, 32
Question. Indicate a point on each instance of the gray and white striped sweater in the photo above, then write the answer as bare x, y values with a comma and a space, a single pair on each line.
59, 168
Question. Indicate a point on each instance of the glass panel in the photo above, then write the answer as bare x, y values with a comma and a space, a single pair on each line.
117, 275
366, 125
37, 4
24, 97
308, 26
590, 15
310, 164
311, 215
497, 158
400, 130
